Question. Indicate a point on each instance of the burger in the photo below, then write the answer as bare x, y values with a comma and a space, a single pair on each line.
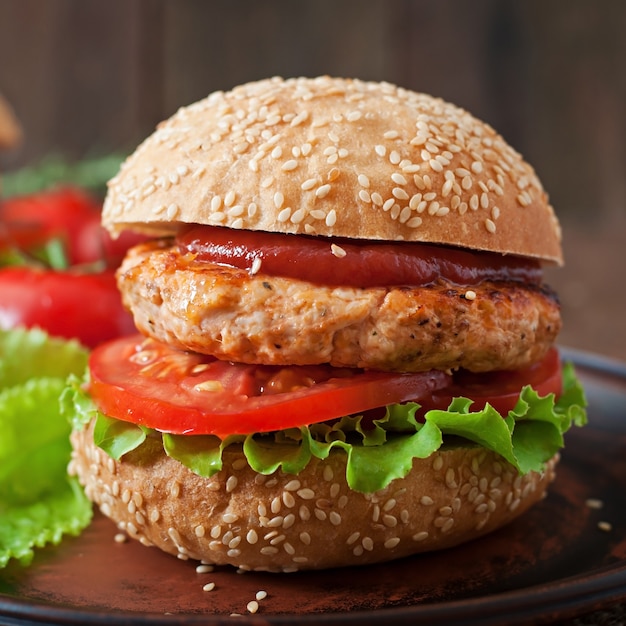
345, 350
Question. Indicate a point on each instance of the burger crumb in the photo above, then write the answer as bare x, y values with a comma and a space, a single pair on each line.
470, 295
594, 503
605, 526
208, 587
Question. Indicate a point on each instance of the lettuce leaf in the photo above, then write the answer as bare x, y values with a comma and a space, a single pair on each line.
39, 502
378, 451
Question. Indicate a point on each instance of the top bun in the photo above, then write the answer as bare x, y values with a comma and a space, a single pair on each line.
335, 157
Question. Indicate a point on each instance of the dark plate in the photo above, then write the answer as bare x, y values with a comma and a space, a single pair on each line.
553, 563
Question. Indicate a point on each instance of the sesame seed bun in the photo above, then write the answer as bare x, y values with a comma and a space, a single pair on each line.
335, 157
313, 520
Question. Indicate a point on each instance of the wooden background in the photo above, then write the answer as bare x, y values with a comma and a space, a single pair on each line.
90, 76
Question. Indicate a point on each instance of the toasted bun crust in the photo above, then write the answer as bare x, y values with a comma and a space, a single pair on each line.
309, 521
335, 157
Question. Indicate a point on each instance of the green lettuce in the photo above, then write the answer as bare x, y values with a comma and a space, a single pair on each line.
378, 451
39, 502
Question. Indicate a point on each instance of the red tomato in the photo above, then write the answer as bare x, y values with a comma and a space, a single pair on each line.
94, 243
66, 304
146, 382
70, 214
353, 262
501, 389
64, 213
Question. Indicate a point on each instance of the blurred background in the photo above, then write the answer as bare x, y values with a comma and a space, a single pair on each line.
91, 78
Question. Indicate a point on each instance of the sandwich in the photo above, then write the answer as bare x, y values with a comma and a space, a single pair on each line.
345, 351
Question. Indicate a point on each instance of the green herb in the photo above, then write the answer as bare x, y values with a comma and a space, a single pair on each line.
39, 502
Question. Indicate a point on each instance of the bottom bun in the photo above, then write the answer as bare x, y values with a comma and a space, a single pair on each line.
284, 522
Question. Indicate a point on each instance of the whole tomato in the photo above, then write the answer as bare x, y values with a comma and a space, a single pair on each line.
67, 288
66, 304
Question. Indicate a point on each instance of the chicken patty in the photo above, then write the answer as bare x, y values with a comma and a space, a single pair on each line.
228, 313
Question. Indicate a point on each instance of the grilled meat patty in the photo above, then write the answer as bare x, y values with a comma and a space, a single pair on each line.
228, 313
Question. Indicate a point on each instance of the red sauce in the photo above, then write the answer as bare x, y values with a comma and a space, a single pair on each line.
365, 263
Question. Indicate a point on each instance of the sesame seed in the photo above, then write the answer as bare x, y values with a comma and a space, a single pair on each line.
337, 251
298, 216
400, 193
398, 179
261, 595
289, 166
405, 214
594, 503
256, 266
331, 218
394, 157
322, 191
435, 165
380, 150
470, 295
364, 196
284, 215
308, 184
231, 483
120, 538
208, 587
229, 199
364, 181
605, 526
299, 118
490, 225
204, 569
334, 518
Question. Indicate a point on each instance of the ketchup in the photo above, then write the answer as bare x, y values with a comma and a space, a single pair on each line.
352, 262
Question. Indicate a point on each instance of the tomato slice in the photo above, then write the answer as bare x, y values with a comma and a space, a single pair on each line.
352, 262
500, 389
147, 382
